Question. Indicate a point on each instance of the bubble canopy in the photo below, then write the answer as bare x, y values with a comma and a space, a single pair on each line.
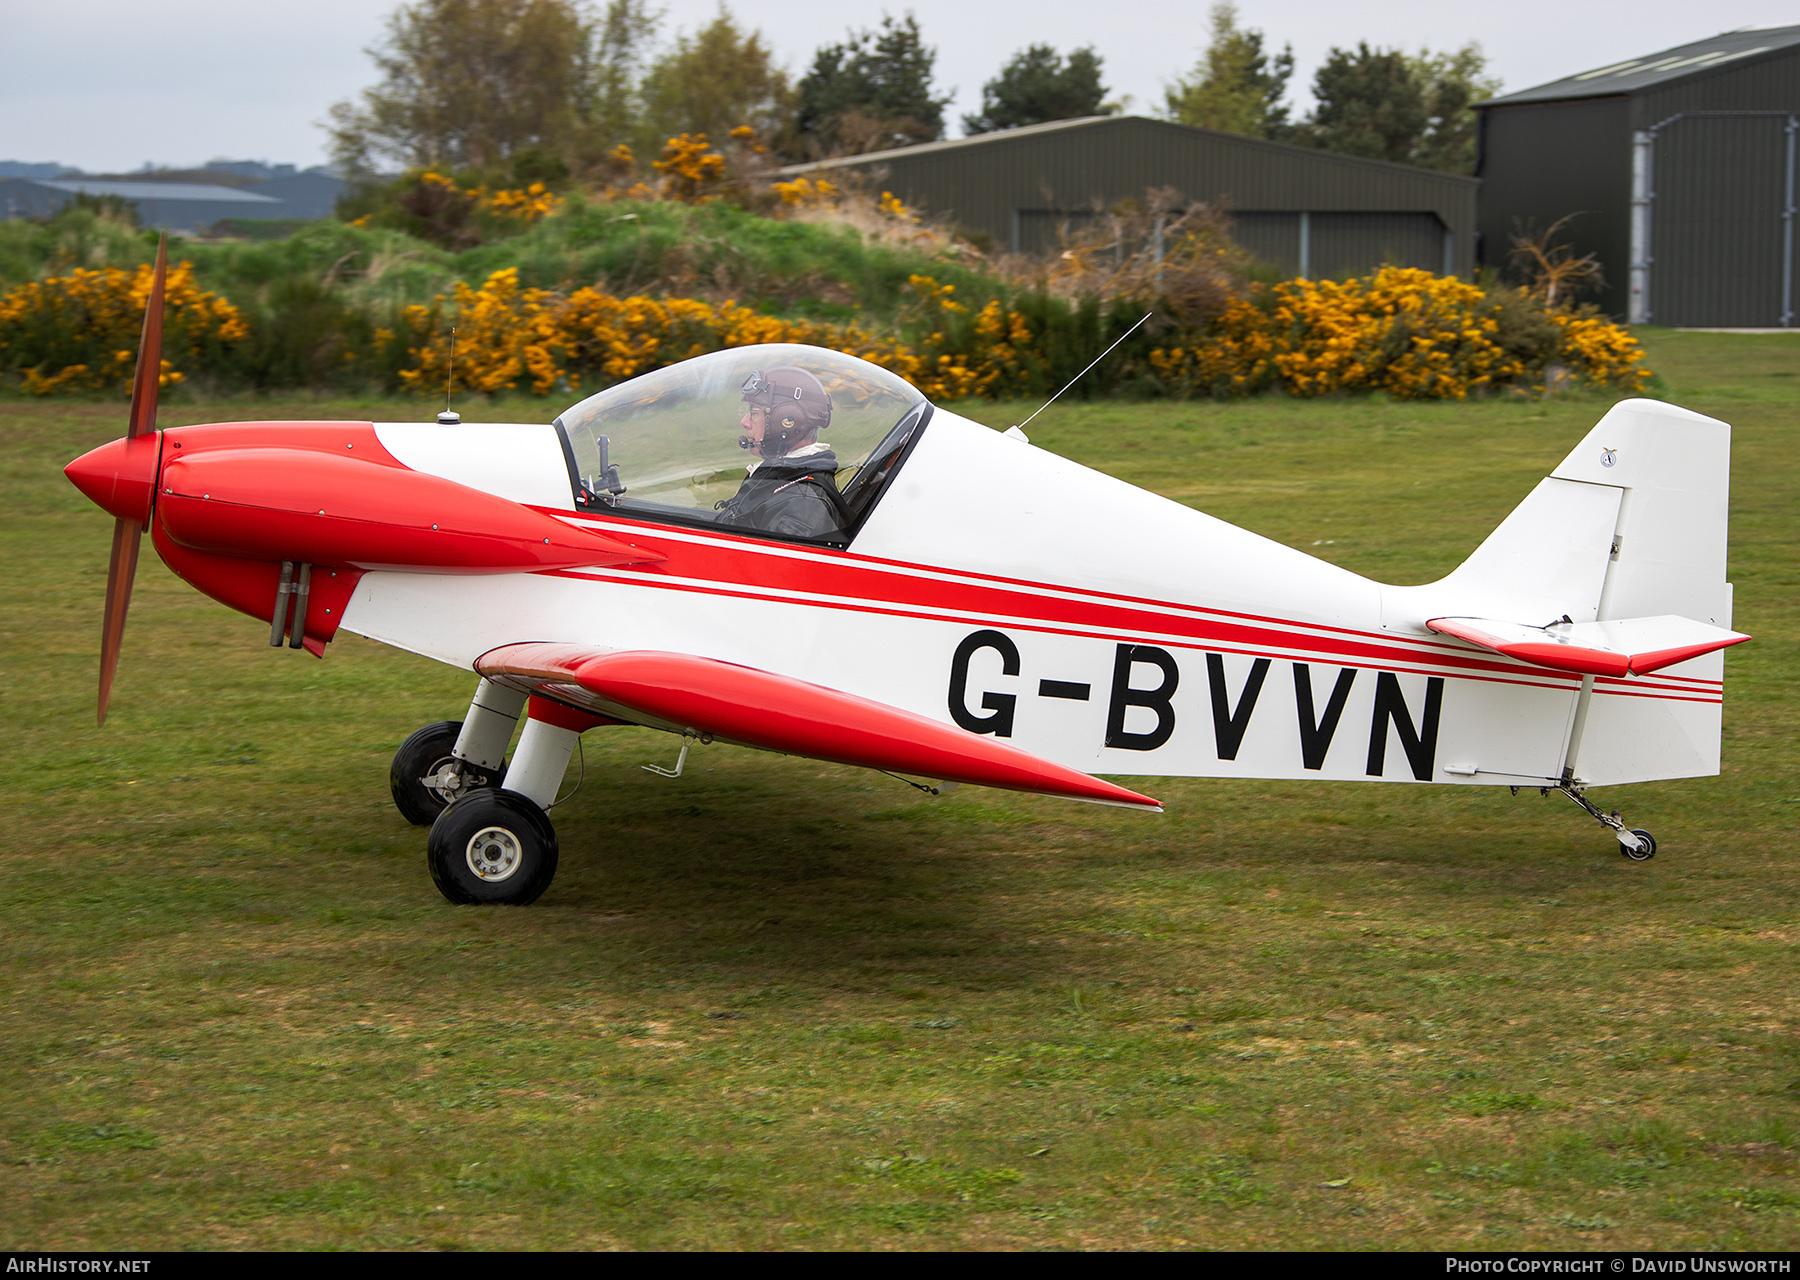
667, 445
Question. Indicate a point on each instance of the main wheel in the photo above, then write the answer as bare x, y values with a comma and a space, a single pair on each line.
1647, 850
492, 846
425, 776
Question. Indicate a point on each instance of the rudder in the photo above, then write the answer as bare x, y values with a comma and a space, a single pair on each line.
1674, 468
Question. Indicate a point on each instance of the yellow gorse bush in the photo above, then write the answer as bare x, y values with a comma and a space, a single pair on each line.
1403, 331
80, 332
513, 338
896, 208
806, 192
1602, 351
528, 204
525, 204
691, 169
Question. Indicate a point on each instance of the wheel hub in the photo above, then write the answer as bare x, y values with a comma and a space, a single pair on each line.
493, 854
446, 780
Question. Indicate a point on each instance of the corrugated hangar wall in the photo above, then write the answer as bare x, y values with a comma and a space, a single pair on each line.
1302, 210
1684, 190
1542, 161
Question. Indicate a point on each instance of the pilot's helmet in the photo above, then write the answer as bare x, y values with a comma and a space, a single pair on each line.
797, 402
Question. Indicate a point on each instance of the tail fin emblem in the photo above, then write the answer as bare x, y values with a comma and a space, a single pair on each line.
1608, 457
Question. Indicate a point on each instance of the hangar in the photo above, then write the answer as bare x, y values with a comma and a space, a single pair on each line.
1680, 169
1308, 212
175, 206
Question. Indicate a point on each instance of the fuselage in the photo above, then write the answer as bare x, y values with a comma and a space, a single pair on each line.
993, 585
1016, 593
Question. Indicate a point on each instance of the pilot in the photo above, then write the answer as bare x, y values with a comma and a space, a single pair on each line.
792, 487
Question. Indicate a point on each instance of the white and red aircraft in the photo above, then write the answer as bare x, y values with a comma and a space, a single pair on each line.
976, 610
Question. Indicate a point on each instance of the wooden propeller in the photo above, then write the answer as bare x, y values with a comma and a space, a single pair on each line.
127, 533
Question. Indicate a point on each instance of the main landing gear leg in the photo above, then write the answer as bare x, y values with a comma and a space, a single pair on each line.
498, 846
540, 760
1635, 843
444, 761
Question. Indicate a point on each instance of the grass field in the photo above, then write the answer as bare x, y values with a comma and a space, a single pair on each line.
776, 1004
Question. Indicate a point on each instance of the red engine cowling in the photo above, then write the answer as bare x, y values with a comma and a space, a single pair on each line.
306, 505
226, 503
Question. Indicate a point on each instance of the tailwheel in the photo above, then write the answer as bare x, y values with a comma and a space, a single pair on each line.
492, 846
426, 776
1634, 842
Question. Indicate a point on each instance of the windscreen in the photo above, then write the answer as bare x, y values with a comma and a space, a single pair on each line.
781, 439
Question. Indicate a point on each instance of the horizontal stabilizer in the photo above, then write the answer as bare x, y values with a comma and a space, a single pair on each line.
1627, 646
779, 713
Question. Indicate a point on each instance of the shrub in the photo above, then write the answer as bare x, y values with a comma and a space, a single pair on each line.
1403, 331
80, 332
513, 338
457, 210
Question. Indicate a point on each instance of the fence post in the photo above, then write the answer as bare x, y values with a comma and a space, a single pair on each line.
1306, 246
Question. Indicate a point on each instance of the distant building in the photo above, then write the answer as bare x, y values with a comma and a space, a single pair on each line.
251, 169
24, 169
1308, 212
1680, 167
182, 206
311, 194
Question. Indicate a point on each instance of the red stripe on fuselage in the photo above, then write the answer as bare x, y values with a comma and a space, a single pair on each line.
746, 568
736, 569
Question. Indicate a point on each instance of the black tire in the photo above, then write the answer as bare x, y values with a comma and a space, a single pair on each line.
492, 846
1644, 854
423, 756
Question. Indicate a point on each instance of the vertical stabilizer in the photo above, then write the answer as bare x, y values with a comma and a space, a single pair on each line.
1628, 530
1669, 546
1674, 470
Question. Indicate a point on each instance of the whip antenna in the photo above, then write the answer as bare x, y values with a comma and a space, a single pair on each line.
1078, 377
449, 417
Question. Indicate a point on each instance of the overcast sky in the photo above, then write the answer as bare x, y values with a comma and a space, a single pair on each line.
107, 85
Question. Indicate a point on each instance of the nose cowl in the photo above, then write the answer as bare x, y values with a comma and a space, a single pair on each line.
120, 476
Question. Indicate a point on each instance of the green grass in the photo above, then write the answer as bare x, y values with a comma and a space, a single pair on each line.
788, 267
777, 1004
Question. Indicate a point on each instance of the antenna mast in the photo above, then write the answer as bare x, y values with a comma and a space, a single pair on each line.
448, 417
1078, 377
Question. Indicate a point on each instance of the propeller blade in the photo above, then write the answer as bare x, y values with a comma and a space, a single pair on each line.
148, 378
126, 534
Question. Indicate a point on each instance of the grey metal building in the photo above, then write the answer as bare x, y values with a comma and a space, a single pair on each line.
1680, 167
1309, 212
179, 206
175, 206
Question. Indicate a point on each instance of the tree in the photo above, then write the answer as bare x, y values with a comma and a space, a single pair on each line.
1036, 86
872, 91
1454, 84
1383, 104
1370, 103
622, 45
470, 82
713, 81
1236, 87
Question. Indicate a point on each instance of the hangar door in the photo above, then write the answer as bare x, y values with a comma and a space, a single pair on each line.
1322, 246
1334, 246
1713, 204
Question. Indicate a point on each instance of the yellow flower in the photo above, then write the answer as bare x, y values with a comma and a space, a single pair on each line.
80, 332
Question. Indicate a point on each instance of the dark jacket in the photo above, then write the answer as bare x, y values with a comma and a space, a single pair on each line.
788, 495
